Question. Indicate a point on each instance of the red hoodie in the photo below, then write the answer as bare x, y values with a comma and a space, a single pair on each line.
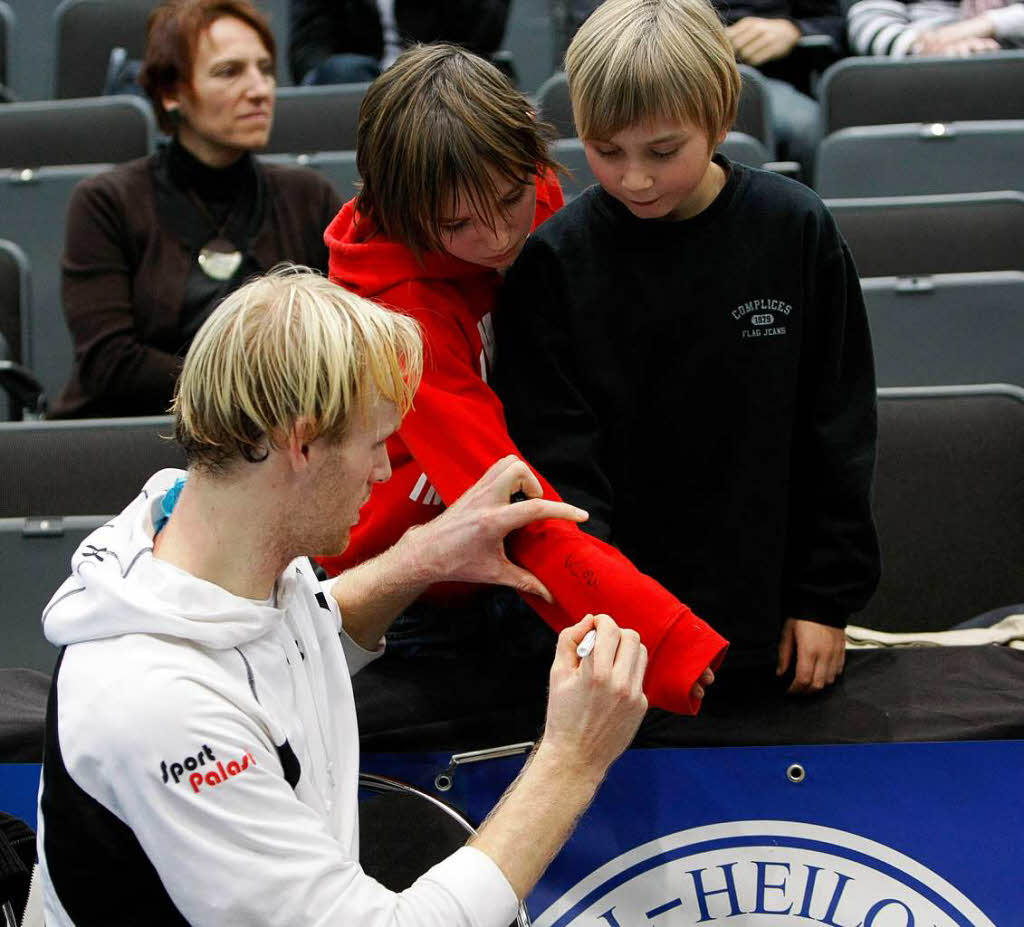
457, 430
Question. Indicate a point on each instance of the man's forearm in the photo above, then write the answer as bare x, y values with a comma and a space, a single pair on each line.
374, 593
536, 817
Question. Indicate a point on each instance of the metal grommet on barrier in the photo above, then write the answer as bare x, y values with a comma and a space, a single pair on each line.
444, 779
796, 773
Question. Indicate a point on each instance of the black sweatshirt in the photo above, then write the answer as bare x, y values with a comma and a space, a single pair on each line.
705, 389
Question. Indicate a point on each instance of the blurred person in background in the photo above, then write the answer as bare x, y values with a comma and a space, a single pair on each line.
154, 244
934, 27
349, 41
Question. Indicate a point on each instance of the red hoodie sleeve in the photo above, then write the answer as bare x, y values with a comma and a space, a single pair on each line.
457, 430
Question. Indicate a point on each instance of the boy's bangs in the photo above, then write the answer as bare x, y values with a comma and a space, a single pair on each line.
642, 97
467, 165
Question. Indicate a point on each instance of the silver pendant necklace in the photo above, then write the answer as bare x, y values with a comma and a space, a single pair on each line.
219, 258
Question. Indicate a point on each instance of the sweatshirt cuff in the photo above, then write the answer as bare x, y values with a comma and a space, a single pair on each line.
1007, 21
688, 648
481, 888
356, 656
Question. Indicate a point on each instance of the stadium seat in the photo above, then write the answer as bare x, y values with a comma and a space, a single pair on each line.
36, 554
339, 167
915, 159
871, 91
6, 30
312, 119
949, 505
61, 481
569, 152
914, 235
33, 205
947, 328
86, 31
738, 146
14, 300
52, 132
14, 297
85, 467
754, 116
530, 40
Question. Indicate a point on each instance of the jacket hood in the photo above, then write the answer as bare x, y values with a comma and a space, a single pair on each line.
117, 587
364, 261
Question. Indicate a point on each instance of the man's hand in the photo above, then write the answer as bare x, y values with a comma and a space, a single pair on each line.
967, 37
466, 542
594, 709
757, 40
595, 704
820, 654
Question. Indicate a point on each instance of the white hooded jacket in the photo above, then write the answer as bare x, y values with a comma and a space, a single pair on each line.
202, 754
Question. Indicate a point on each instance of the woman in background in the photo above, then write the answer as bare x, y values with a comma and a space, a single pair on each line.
153, 245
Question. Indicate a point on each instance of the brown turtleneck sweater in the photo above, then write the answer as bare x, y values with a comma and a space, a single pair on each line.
133, 293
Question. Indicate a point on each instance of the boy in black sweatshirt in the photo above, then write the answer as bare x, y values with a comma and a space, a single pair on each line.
684, 352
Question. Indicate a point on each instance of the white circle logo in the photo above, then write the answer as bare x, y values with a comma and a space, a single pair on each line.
763, 874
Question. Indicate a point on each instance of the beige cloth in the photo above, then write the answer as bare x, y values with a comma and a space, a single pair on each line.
1009, 633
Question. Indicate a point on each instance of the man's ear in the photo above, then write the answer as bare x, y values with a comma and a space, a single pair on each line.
297, 446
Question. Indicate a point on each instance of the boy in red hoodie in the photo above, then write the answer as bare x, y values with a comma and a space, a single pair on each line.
456, 175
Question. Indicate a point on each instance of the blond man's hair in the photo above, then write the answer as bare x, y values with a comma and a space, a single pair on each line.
287, 346
430, 127
636, 61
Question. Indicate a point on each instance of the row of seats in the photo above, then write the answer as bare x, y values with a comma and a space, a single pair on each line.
948, 501
62, 50
901, 115
942, 275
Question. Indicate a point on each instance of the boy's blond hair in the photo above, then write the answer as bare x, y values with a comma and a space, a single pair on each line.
429, 129
286, 346
634, 61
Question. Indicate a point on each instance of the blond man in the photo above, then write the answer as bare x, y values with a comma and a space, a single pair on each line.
202, 751
695, 333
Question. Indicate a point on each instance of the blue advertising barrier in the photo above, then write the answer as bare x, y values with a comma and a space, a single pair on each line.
869, 835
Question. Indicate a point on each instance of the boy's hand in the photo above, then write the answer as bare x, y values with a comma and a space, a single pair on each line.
700, 686
595, 704
820, 654
757, 40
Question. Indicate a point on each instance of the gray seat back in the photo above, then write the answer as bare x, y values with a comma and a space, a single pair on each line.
949, 505
87, 467
14, 297
91, 131
33, 206
916, 160
947, 328
871, 91
312, 119
339, 167
36, 557
86, 31
569, 152
14, 310
950, 233
6, 29
738, 146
